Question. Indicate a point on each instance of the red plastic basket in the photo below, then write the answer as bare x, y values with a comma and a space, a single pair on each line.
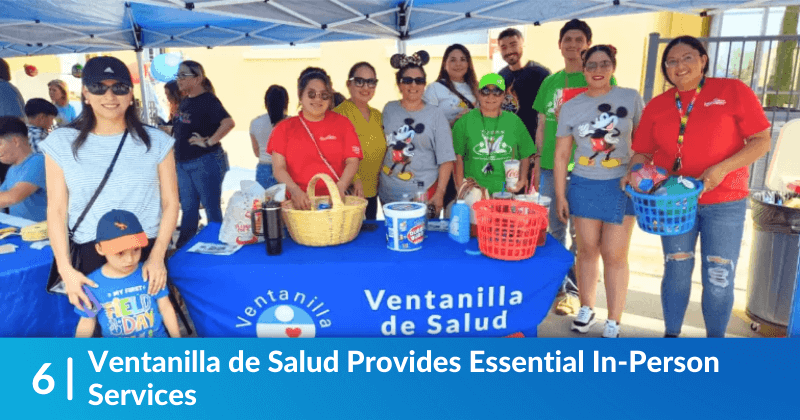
509, 230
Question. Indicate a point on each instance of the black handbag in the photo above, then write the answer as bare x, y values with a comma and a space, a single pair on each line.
55, 284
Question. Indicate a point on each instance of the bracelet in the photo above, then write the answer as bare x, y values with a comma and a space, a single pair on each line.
206, 141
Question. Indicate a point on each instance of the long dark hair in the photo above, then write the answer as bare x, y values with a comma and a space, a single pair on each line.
173, 91
197, 69
690, 41
276, 100
86, 122
469, 78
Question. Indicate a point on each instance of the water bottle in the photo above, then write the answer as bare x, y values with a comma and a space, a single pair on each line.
273, 228
422, 195
459, 222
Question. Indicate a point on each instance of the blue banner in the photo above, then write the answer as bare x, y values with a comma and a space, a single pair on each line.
419, 378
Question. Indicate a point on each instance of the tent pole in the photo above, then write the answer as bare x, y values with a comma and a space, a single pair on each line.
145, 106
401, 46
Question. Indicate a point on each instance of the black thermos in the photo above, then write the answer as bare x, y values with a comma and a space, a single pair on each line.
273, 228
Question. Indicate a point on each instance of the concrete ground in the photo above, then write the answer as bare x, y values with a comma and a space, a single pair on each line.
642, 316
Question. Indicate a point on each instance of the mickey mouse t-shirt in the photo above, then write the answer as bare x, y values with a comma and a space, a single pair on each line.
601, 127
417, 143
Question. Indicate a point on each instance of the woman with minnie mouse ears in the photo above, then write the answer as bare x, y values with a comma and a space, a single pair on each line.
419, 141
600, 122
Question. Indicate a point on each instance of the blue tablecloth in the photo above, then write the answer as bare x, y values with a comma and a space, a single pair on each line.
364, 289
26, 309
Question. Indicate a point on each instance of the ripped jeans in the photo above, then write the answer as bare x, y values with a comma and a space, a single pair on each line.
720, 227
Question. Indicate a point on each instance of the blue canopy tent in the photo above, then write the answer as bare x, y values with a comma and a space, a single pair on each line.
39, 27
35, 27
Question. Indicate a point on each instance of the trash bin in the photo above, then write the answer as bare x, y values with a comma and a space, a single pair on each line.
774, 258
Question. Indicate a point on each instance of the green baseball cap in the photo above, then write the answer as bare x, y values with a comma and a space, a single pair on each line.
492, 79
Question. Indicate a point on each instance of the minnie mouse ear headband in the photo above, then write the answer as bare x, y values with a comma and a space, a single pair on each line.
419, 58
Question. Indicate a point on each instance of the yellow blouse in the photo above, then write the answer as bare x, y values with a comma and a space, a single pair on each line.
373, 144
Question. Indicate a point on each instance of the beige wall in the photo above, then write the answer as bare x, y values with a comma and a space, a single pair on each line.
241, 75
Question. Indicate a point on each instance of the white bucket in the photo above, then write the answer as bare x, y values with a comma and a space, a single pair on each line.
541, 200
405, 225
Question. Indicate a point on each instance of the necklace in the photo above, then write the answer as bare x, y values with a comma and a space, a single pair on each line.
490, 142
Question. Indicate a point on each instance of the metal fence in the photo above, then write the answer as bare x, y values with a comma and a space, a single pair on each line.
753, 60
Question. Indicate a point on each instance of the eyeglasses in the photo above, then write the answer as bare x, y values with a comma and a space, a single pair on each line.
410, 80
687, 59
360, 82
491, 91
186, 75
119, 89
322, 95
604, 65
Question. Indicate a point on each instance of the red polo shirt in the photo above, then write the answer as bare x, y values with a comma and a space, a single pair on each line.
335, 136
725, 113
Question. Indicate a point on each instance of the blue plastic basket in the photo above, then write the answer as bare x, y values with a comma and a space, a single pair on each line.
666, 215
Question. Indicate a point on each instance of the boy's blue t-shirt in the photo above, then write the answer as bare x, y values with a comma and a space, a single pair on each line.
31, 170
128, 311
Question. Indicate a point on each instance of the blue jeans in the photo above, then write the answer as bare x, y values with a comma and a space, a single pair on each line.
556, 227
720, 227
200, 181
264, 175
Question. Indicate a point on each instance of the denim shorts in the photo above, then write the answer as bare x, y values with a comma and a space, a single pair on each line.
598, 199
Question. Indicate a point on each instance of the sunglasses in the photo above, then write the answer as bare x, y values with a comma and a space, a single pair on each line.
322, 95
360, 82
186, 75
410, 80
605, 65
491, 91
119, 89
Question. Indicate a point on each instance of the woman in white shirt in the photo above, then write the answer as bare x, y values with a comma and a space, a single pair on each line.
455, 94
456, 87
276, 100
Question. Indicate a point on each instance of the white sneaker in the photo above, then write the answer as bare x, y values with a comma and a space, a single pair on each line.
584, 320
611, 330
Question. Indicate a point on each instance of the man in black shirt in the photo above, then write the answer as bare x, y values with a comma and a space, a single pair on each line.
522, 80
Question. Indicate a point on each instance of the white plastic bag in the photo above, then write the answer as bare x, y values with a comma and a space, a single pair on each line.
236, 225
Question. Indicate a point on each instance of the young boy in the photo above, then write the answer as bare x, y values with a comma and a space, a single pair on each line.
41, 114
125, 310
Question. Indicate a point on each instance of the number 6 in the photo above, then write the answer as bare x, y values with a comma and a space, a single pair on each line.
40, 376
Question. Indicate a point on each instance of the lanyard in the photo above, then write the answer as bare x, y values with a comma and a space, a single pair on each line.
489, 168
684, 119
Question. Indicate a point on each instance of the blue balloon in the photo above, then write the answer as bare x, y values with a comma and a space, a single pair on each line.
165, 67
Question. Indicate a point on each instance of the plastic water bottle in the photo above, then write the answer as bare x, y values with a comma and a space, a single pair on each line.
459, 222
422, 195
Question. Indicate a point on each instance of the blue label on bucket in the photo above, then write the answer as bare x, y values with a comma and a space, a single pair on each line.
405, 226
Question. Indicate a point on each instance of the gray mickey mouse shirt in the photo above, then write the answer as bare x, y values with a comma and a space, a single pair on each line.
417, 143
602, 127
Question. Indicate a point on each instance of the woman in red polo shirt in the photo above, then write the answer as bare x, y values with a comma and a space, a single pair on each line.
724, 131
317, 140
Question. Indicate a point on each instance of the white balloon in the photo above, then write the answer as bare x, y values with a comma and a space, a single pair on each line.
172, 60
284, 313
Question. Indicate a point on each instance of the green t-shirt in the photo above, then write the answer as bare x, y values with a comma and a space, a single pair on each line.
485, 143
548, 98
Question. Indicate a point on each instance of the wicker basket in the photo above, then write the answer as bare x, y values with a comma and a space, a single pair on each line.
338, 225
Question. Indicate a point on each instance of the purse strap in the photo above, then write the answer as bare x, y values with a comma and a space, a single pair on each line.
100, 187
457, 93
321, 156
